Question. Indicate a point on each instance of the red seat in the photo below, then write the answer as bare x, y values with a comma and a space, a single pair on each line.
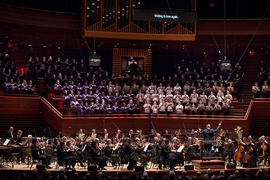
60, 105
50, 96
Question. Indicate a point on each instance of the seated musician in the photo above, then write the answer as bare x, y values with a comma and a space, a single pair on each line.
250, 157
62, 155
38, 153
79, 146
229, 150
130, 154
146, 151
194, 149
98, 156
217, 148
71, 155
111, 151
169, 154
263, 150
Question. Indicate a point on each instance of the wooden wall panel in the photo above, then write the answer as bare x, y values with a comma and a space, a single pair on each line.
261, 108
118, 52
19, 105
49, 113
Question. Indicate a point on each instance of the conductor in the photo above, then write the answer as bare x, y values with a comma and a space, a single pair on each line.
208, 133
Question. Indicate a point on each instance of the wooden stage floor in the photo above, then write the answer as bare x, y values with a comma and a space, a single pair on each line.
8, 171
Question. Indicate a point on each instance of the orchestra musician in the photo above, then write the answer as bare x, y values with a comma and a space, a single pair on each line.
130, 154
71, 154
93, 134
105, 135
62, 155
111, 151
37, 150
179, 147
19, 141
229, 150
168, 153
263, 150
208, 137
9, 134
250, 157
194, 149
146, 151
98, 156
80, 134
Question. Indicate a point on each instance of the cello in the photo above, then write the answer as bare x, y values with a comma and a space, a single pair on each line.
238, 153
247, 154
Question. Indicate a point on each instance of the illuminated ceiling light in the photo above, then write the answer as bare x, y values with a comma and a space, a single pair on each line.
88, 7
134, 44
44, 46
29, 45
93, 4
204, 53
58, 47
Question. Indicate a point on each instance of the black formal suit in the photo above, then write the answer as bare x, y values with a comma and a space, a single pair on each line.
61, 156
9, 135
38, 154
131, 156
169, 156
208, 136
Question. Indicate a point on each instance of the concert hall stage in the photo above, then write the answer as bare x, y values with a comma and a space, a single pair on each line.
18, 169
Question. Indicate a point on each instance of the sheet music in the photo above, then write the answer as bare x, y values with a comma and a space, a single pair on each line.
180, 149
116, 146
84, 147
146, 147
6, 142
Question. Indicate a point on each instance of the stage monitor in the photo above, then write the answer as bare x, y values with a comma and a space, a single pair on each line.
165, 15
